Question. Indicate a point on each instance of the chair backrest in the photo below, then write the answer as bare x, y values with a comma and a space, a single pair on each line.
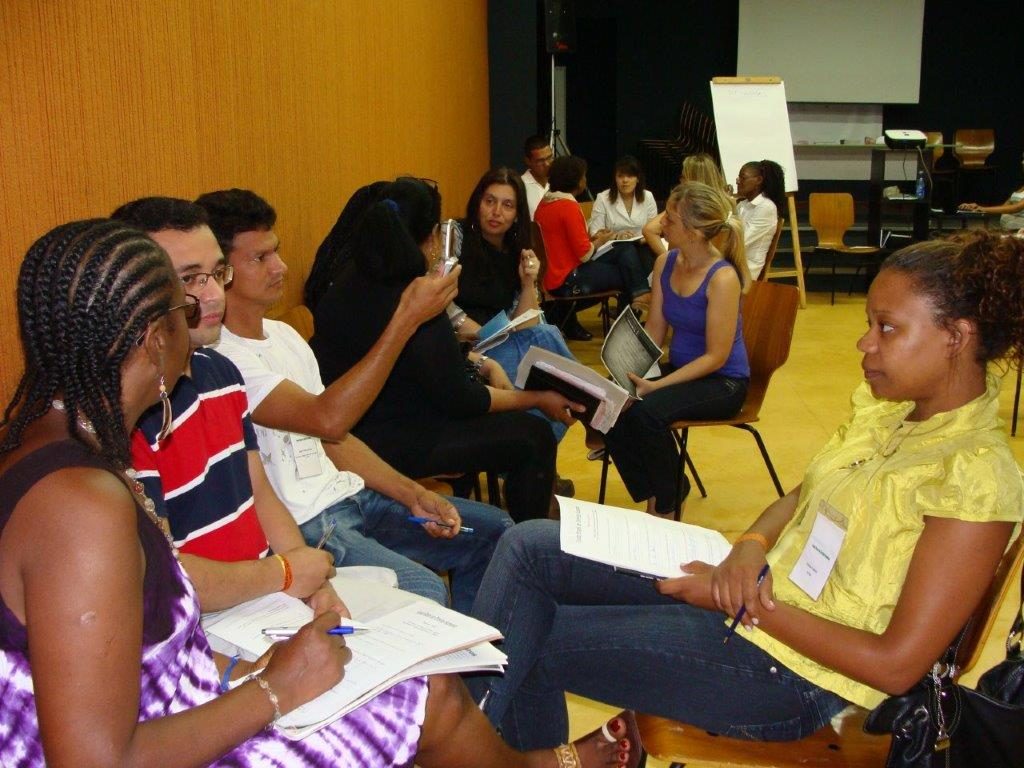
984, 617
587, 206
972, 146
769, 316
934, 140
831, 214
301, 319
537, 241
770, 256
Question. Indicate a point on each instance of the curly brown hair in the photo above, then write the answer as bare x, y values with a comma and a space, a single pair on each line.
976, 276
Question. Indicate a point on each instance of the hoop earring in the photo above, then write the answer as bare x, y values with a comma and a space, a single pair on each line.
168, 422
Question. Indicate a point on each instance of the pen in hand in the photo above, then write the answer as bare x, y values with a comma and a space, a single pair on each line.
743, 608
282, 633
327, 533
422, 520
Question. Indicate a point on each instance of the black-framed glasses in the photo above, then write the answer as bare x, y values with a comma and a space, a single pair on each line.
222, 275
190, 305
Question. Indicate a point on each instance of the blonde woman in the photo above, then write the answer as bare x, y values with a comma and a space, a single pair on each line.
701, 167
696, 294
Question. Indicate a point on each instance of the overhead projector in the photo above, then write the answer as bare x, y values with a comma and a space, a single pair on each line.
903, 139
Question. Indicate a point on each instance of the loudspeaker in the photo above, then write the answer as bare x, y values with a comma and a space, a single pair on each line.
559, 26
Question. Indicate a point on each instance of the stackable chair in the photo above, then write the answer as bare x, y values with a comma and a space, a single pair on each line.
971, 148
831, 215
842, 743
769, 316
770, 256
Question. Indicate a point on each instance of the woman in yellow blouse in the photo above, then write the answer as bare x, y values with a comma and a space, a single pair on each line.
872, 564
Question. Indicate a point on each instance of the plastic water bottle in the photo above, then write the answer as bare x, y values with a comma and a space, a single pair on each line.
920, 190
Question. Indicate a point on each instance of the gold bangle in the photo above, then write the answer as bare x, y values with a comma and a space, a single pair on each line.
262, 683
752, 536
287, 568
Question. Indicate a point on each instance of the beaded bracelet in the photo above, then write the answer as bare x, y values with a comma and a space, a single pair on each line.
758, 537
225, 679
287, 568
262, 683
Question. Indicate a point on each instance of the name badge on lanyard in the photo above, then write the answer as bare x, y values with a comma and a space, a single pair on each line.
307, 457
818, 559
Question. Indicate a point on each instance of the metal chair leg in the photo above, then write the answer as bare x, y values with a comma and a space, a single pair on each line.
695, 476
764, 455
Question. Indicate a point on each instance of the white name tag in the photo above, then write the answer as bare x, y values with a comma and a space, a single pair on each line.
307, 457
820, 552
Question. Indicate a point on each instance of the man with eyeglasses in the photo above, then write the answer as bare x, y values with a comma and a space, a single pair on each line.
206, 477
320, 471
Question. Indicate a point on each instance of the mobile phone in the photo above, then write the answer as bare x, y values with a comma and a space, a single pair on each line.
451, 247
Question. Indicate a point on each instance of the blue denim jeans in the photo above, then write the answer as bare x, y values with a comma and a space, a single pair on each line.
373, 529
576, 625
510, 352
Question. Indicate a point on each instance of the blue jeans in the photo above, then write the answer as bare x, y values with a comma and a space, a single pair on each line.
618, 269
372, 529
576, 625
510, 352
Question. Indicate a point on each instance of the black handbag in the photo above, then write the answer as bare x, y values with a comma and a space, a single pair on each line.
941, 723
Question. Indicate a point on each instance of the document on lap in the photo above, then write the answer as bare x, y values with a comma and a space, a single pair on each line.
629, 349
603, 399
496, 330
635, 541
410, 636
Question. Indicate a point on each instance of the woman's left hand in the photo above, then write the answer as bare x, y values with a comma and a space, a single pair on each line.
529, 266
693, 587
643, 386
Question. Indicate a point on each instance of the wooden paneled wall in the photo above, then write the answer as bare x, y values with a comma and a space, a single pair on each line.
303, 101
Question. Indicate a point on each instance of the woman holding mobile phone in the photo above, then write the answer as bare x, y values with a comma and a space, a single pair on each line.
430, 417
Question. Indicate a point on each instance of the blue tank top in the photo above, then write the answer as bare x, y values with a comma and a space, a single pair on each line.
688, 317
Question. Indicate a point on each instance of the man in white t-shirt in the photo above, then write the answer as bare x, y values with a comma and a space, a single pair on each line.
323, 474
539, 155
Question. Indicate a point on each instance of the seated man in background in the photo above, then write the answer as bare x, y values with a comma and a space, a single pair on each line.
317, 469
207, 476
539, 156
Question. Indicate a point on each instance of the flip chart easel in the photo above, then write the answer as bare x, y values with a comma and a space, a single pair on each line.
752, 121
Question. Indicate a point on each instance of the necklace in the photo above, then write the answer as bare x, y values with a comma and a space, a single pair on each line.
82, 422
138, 490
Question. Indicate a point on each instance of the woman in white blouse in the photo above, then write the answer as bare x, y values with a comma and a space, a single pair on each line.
626, 206
621, 211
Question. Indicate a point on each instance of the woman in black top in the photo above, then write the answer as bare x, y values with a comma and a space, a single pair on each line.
499, 273
431, 417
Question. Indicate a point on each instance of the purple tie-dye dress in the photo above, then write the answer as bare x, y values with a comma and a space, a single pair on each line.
177, 665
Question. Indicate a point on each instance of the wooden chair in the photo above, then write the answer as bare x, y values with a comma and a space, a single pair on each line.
769, 316
841, 744
601, 297
943, 174
587, 206
972, 147
831, 215
770, 256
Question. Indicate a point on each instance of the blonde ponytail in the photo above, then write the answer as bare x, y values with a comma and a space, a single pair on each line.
712, 212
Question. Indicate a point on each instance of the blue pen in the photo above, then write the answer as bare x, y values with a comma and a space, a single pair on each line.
422, 520
743, 608
281, 633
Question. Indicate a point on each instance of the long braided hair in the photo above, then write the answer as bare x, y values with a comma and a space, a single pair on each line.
87, 290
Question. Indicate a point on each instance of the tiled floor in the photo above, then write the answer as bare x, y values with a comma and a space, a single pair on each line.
807, 399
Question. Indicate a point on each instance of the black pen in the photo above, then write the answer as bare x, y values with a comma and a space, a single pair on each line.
743, 608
